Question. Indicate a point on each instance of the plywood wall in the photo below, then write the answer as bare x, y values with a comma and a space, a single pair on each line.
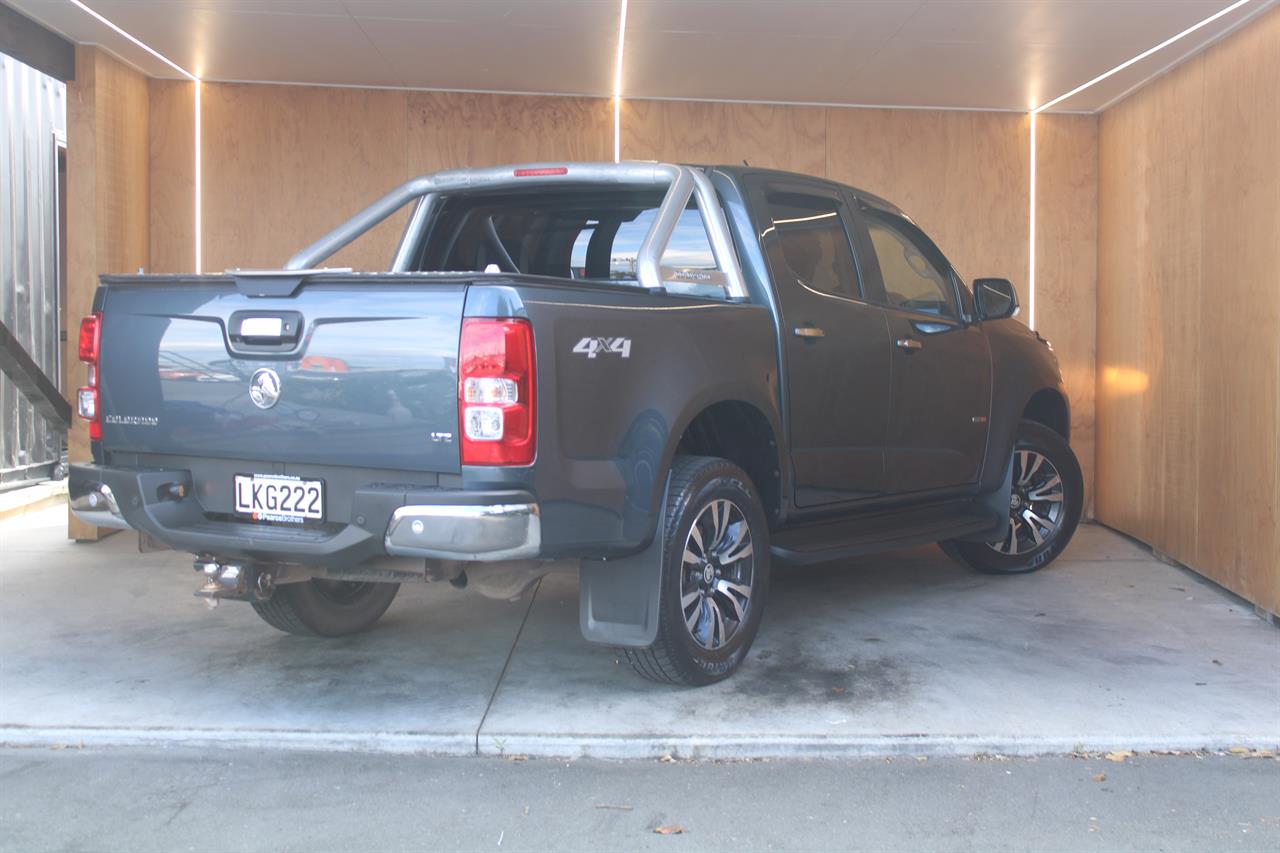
284, 164
1067, 267
1189, 313
108, 199
765, 135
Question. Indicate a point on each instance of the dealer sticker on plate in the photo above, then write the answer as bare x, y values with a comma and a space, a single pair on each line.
279, 497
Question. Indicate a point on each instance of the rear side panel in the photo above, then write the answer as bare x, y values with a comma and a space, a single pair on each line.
369, 381
621, 373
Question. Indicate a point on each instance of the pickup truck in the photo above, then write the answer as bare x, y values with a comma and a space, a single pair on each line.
665, 378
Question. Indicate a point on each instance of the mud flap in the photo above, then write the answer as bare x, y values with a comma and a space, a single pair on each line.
996, 503
618, 599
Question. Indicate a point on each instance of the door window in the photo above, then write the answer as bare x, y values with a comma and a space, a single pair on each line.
912, 281
806, 236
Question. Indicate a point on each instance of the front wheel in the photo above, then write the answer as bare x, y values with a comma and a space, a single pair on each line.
715, 575
326, 608
1044, 507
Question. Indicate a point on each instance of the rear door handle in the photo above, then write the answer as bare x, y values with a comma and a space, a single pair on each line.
808, 332
909, 344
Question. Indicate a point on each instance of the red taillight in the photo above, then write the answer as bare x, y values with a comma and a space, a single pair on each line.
88, 403
90, 337
497, 416
543, 172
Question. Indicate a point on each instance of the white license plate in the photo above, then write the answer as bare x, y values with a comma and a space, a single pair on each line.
276, 497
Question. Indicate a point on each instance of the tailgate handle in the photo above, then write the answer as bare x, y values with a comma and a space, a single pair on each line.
264, 331
262, 327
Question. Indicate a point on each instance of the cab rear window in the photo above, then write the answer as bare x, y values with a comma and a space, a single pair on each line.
579, 235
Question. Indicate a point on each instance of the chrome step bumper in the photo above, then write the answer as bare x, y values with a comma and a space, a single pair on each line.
451, 532
97, 505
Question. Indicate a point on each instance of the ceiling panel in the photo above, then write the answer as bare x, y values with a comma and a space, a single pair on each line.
989, 54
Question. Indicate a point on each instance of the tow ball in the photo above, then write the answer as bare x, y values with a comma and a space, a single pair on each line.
236, 581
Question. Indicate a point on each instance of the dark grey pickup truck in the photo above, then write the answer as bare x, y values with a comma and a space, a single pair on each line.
668, 379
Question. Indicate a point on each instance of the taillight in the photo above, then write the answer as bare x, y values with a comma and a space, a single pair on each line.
496, 392
90, 351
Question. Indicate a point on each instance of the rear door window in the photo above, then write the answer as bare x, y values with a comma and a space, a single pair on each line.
806, 239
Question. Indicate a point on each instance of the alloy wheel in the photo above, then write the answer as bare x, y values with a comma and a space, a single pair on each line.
716, 574
1035, 504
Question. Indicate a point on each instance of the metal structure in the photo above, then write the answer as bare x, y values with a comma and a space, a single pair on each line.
682, 183
32, 129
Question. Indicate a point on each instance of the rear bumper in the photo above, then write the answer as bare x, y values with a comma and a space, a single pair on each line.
505, 531
384, 521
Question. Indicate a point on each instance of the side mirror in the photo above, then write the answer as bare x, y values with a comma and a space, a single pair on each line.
994, 298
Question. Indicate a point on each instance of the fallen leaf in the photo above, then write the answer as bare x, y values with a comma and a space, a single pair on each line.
1119, 755
1101, 777
613, 807
674, 829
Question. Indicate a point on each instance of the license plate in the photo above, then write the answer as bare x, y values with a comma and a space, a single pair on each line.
277, 497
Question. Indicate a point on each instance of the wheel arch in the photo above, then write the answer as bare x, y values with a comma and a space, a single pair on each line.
741, 432
1049, 407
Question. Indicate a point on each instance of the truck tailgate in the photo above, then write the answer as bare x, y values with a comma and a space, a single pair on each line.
361, 373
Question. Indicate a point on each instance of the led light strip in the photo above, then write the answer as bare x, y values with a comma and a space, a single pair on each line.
617, 85
1031, 276
196, 82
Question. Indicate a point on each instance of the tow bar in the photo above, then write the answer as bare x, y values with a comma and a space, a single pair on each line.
235, 581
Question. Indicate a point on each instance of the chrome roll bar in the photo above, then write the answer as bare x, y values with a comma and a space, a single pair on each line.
682, 182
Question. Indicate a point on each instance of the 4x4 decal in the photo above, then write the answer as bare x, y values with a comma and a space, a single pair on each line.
591, 347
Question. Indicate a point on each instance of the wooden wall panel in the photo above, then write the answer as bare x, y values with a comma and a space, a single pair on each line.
1239, 307
1066, 264
1189, 313
284, 164
962, 176
108, 201
172, 161
775, 137
449, 130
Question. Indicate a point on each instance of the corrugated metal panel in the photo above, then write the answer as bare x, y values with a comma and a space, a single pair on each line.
32, 111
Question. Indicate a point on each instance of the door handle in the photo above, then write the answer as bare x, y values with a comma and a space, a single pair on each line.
909, 344
808, 332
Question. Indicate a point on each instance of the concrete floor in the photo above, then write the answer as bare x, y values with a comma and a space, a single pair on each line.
144, 799
903, 653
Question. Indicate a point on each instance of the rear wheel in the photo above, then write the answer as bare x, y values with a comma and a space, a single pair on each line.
1044, 507
715, 575
326, 608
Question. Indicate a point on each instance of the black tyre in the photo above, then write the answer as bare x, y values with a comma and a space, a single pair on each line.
1044, 509
326, 608
715, 575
